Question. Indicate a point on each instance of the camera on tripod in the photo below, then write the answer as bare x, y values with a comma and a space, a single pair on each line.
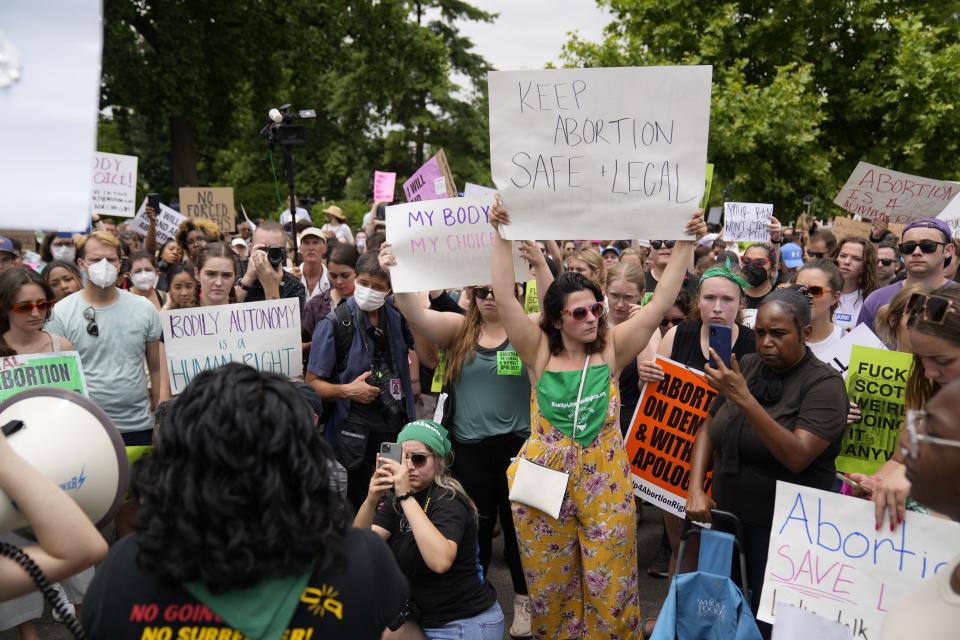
281, 130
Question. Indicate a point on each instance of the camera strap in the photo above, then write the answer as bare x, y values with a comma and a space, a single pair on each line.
364, 336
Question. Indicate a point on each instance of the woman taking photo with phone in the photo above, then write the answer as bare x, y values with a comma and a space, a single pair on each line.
586, 546
431, 525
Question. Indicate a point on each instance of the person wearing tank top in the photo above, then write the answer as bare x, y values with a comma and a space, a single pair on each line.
720, 297
581, 566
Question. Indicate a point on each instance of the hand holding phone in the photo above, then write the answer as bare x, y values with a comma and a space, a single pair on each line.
153, 201
721, 341
391, 451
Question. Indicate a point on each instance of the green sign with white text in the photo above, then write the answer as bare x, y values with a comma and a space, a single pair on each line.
41, 370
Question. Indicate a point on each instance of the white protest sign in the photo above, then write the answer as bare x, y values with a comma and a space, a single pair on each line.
871, 190
746, 221
796, 624
264, 335
951, 215
49, 111
838, 355
825, 557
599, 153
114, 185
443, 244
471, 190
167, 222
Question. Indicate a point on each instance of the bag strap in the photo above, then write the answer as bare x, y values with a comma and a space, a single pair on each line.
576, 407
343, 330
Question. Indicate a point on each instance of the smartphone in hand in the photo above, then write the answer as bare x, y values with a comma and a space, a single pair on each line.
153, 201
721, 341
392, 451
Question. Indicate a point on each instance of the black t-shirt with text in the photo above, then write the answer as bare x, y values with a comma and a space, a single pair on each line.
461, 592
357, 598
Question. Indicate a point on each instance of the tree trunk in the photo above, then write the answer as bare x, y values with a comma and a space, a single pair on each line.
184, 157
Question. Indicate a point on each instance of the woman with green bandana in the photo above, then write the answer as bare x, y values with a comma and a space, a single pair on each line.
579, 547
242, 532
431, 525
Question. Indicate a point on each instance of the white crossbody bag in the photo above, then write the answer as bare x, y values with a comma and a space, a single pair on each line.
540, 487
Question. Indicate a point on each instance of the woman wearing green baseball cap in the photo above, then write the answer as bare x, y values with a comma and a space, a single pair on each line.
425, 516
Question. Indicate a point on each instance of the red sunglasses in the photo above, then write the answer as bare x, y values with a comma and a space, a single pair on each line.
27, 307
580, 313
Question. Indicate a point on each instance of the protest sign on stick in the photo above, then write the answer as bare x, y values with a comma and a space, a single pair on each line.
167, 222
442, 244
599, 153
213, 203
114, 191
35, 370
877, 383
871, 190
432, 181
384, 182
659, 441
746, 221
825, 557
264, 335
844, 227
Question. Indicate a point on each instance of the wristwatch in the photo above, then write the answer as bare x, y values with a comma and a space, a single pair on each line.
243, 285
408, 494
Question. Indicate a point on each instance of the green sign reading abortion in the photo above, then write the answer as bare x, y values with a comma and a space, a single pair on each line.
37, 370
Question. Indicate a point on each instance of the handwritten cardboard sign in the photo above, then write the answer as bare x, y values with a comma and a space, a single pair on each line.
167, 222
599, 153
871, 190
659, 441
825, 557
264, 335
844, 227
36, 370
432, 181
114, 185
384, 183
443, 244
746, 221
877, 383
27, 239
213, 203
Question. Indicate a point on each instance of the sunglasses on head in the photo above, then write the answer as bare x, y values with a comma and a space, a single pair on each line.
931, 308
91, 317
756, 262
483, 292
926, 246
887, 261
657, 244
580, 313
27, 307
418, 459
816, 254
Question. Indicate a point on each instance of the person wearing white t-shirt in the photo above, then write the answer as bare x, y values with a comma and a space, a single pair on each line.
337, 224
857, 260
302, 214
823, 282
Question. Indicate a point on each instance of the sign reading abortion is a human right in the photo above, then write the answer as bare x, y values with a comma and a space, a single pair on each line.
599, 153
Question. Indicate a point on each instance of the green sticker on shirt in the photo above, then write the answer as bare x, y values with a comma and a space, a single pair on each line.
508, 363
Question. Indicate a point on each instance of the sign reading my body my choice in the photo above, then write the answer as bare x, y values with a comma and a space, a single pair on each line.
264, 335
443, 244
600, 153
114, 191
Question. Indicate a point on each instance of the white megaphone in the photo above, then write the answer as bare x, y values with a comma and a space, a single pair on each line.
72, 442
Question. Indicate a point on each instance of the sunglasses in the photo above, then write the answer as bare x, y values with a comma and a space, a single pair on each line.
931, 308
483, 292
915, 419
666, 323
926, 246
816, 254
91, 317
756, 262
887, 261
418, 459
580, 313
817, 291
628, 298
27, 307
657, 244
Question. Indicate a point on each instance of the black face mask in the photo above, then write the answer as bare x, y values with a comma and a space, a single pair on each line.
756, 276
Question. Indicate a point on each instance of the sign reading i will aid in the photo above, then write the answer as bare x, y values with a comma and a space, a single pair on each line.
871, 191
35, 370
168, 221
659, 442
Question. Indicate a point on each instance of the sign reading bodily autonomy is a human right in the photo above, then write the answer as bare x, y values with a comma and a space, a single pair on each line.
36, 370
442, 244
264, 335
599, 153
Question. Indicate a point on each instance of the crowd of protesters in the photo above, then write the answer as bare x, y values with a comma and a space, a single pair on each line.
268, 506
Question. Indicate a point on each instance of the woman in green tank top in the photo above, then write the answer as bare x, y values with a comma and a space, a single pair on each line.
581, 567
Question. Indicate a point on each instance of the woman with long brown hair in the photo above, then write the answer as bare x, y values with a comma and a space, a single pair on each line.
857, 259
216, 271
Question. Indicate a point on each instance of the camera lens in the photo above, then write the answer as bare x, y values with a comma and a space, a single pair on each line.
276, 255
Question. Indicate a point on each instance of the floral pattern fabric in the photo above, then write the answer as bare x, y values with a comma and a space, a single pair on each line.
581, 568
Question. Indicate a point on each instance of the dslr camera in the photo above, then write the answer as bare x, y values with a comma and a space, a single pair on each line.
276, 256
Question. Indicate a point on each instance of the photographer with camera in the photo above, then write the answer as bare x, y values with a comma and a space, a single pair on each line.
360, 359
262, 277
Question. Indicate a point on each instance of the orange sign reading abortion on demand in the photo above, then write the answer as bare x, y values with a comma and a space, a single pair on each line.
660, 440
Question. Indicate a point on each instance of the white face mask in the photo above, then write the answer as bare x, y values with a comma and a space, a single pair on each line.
102, 274
368, 299
64, 252
144, 280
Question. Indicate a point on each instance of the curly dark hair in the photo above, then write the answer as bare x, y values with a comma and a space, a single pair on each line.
237, 489
552, 313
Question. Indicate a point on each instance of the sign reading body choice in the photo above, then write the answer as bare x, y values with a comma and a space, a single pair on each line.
599, 153
443, 244
826, 558
114, 185
264, 335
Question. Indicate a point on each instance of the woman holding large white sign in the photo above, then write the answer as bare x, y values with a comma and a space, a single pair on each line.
570, 485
